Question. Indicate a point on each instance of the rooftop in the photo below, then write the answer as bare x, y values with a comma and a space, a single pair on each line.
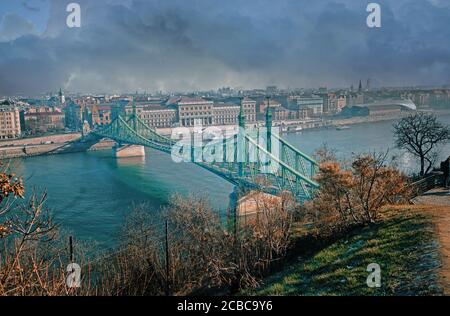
271, 103
155, 107
190, 100
229, 105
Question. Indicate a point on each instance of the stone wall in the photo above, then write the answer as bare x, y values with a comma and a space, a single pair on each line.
60, 138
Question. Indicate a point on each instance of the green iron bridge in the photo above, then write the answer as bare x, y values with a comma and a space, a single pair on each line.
249, 159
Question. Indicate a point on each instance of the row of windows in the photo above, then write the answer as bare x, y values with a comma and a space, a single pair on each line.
148, 116
195, 114
226, 121
159, 123
7, 125
8, 136
225, 116
190, 108
192, 121
235, 112
9, 131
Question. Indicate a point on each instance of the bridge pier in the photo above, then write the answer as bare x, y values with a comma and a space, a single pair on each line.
128, 151
246, 206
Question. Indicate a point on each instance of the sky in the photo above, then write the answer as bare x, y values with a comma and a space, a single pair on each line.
186, 45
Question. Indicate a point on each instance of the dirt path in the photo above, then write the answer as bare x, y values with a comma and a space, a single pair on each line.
443, 231
437, 203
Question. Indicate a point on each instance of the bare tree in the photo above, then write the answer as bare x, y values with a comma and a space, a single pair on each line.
421, 134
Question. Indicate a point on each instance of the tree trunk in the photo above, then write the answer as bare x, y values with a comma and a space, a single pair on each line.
422, 166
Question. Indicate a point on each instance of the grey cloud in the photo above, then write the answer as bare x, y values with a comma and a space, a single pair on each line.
203, 44
13, 26
30, 6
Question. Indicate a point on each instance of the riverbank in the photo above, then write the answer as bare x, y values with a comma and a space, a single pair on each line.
380, 118
50, 144
368, 119
344, 122
33, 146
55, 138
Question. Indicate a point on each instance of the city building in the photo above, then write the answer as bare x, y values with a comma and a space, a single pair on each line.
440, 98
422, 99
249, 106
156, 116
226, 113
193, 110
283, 114
341, 102
10, 126
273, 104
388, 108
329, 102
44, 119
101, 114
309, 106
138, 105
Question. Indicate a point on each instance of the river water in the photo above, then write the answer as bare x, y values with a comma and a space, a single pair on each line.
91, 193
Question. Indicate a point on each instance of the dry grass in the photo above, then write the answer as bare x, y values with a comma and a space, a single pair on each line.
441, 221
403, 242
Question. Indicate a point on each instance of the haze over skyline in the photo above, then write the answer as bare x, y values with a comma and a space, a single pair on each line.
177, 45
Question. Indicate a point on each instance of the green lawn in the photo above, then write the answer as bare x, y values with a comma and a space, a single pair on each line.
403, 245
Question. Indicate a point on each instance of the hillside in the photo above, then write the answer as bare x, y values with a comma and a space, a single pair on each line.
404, 243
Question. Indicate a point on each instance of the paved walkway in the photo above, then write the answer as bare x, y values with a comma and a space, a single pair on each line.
439, 197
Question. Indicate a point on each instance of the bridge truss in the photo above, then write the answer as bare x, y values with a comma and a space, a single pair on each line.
250, 159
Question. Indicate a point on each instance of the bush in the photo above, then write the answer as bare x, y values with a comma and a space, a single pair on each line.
203, 256
354, 193
29, 264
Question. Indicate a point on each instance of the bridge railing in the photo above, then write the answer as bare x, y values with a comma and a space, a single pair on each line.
423, 185
296, 159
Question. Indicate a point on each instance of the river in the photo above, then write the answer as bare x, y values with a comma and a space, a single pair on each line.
91, 193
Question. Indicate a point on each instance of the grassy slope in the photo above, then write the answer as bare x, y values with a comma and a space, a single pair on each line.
403, 244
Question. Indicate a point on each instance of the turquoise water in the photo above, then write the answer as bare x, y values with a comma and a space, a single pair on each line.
366, 137
91, 193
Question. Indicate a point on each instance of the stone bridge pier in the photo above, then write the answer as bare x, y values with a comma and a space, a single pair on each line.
123, 151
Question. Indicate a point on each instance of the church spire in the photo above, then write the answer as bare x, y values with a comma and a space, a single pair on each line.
62, 99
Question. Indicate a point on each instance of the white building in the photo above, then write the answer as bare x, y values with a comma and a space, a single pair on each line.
9, 121
308, 106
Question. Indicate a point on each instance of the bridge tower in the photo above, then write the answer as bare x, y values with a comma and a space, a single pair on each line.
241, 115
269, 125
242, 150
134, 115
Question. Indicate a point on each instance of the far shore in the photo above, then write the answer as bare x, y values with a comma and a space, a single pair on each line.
334, 122
48, 144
